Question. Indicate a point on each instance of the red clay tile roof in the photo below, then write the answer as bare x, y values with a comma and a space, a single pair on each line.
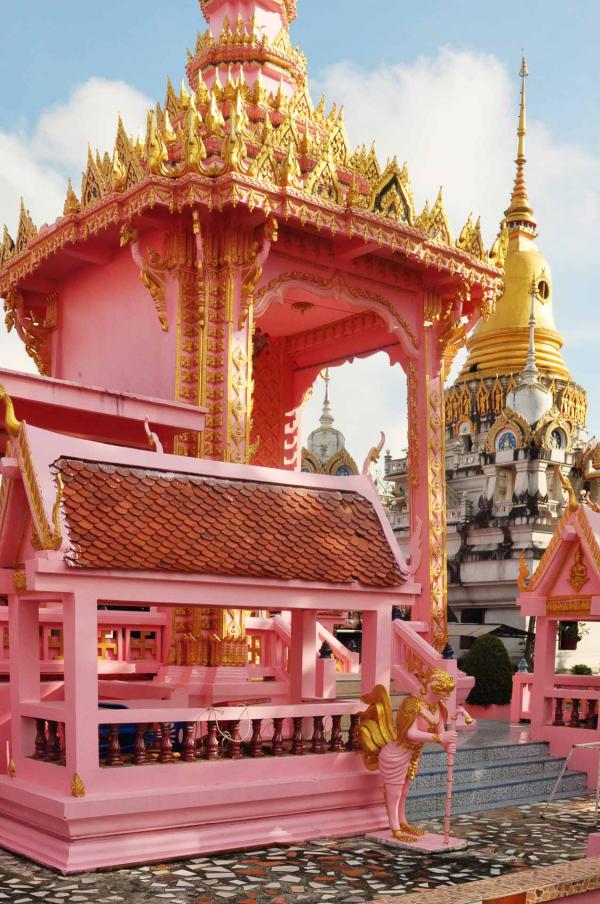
130, 518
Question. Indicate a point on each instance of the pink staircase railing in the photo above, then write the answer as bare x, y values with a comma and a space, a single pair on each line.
413, 655
275, 635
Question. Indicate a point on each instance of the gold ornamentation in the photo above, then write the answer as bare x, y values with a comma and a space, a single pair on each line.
569, 605
413, 425
72, 205
93, 187
573, 504
340, 287
509, 420
20, 580
437, 514
77, 786
26, 230
44, 536
434, 222
392, 195
523, 578
470, 239
578, 575
483, 399
373, 454
11, 424
500, 247
546, 426
35, 326
11, 770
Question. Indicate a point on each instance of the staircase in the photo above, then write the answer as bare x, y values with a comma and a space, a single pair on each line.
507, 775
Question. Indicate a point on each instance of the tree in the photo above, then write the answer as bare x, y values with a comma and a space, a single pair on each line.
488, 662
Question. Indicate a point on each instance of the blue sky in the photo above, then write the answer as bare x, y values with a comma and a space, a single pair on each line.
434, 82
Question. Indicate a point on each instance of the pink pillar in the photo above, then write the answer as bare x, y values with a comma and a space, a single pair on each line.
80, 622
303, 655
543, 671
23, 619
376, 649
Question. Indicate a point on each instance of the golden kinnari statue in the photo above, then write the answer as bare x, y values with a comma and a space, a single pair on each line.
397, 752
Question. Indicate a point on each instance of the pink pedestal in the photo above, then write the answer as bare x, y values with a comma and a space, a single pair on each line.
429, 842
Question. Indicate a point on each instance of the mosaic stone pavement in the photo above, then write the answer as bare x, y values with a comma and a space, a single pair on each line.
353, 869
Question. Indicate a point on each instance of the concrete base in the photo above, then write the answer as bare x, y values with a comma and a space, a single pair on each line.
429, 842
124, 828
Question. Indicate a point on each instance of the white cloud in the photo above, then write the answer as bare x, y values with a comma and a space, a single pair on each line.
36, 162
453, 118
90, 115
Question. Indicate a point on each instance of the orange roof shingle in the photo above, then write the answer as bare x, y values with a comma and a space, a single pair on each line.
132, 518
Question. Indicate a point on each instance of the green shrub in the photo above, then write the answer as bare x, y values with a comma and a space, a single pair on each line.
581, 669
488, 662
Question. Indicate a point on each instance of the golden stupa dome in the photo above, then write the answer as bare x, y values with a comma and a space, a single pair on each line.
500, 344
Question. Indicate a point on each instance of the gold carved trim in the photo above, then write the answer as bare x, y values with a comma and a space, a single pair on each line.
578, 575
569, 605
47, 536
77, 786
337, 284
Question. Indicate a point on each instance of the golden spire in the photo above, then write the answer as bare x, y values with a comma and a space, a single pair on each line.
519, 213
501, 344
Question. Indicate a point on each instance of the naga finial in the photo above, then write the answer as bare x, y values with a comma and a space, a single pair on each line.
11, 423
568, 487
373, 455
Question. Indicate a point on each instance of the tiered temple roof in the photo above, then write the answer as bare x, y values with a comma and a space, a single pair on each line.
245, 130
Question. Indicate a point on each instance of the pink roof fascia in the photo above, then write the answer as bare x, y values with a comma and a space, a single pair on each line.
117, 407
49, 578
552, 563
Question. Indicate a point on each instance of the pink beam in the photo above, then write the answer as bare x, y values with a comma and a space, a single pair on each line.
62, 406
163, 588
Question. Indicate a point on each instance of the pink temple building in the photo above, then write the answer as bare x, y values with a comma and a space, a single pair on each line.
153, 514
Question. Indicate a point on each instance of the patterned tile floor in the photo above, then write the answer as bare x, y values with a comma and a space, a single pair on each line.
357, 870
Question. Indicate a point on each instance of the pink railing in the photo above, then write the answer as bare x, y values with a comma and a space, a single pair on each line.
227, 733
139, 736
571, 701
127, 640
275, 635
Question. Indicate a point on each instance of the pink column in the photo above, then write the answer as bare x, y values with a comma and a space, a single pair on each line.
23, 619
80, 622
303, 654
376, 649
543, 671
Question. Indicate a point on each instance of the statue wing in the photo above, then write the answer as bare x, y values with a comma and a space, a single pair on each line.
376, 727
408, 712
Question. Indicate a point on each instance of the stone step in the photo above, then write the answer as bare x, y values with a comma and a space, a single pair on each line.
477, 755
488, 773
509, 793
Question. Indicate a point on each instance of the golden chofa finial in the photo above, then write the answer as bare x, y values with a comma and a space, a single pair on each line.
11, 424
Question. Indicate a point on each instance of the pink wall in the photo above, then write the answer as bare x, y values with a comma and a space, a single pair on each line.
110, 333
